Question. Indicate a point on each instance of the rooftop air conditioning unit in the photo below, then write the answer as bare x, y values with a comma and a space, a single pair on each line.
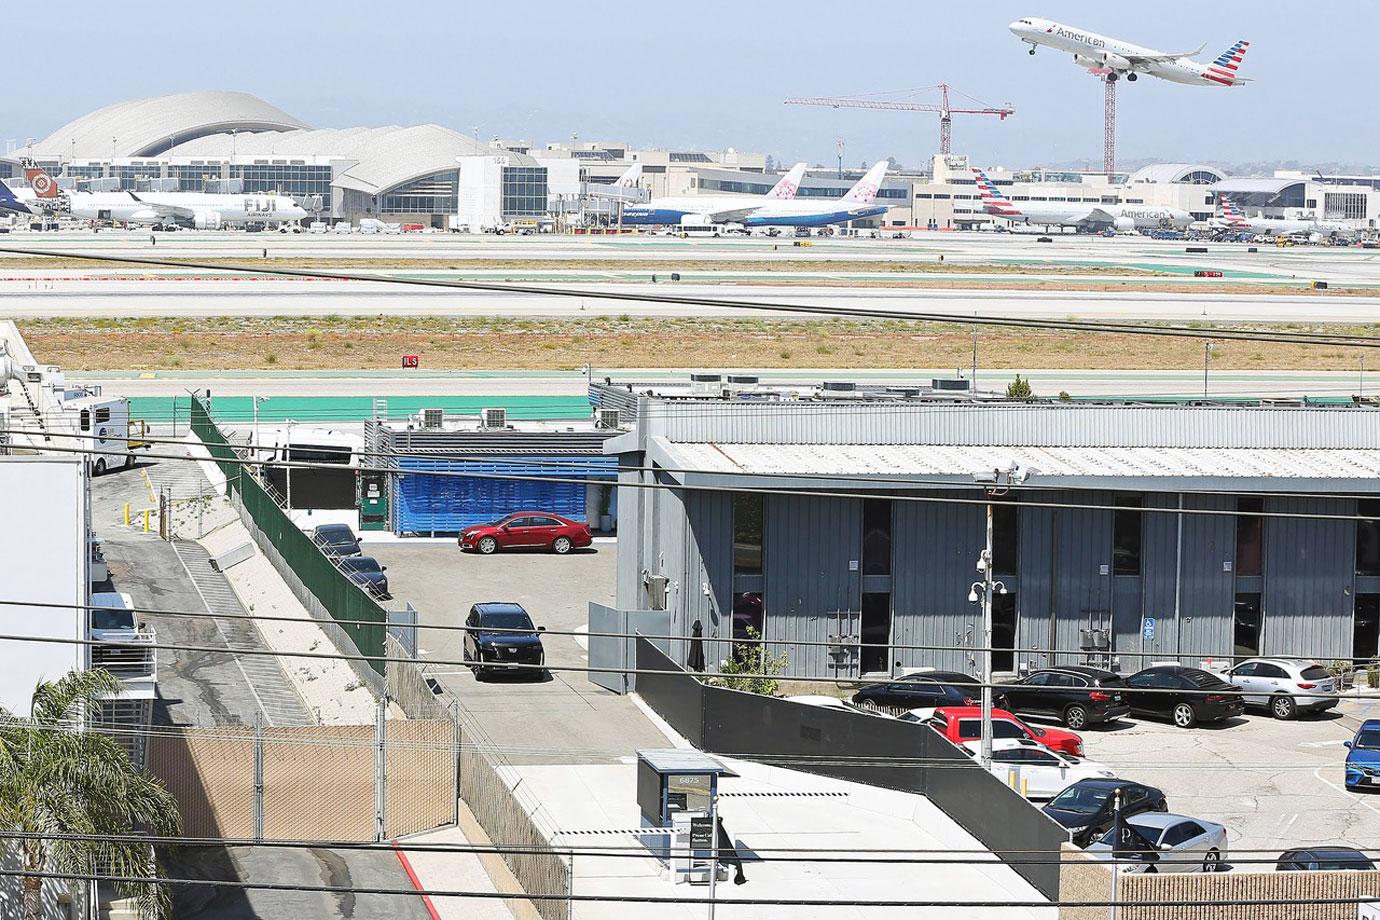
432, 418
951, 384
838, 389
493, 418
706, 384
739, 383
609, 418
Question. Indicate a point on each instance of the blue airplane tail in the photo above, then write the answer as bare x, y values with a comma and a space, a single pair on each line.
10, 203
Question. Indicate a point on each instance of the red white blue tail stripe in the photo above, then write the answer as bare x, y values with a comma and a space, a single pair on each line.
1223, 70
993, 201
1232, 216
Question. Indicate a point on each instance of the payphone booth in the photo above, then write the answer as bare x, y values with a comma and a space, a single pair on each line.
373, 499
678, 791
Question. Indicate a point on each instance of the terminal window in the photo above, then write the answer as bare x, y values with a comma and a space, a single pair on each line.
524, 191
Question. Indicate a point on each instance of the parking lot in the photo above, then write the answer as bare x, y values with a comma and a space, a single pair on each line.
1273, 784
561, 719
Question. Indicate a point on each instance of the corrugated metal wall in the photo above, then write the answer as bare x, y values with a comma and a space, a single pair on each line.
708, 561
1309, 569
1208, 592
447, 504
934, 549
809, 545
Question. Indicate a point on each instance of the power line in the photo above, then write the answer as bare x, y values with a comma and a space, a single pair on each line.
1220, 332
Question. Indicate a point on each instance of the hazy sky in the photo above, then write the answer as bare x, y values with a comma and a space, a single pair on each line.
712, 74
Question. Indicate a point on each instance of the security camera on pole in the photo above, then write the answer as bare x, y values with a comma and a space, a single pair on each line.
996, 482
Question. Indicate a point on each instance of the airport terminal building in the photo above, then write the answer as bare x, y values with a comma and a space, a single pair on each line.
1140, 533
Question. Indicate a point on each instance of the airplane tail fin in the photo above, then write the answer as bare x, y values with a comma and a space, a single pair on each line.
1230, 213
865, 191
43, 184
785, 189
993, 201
10, 203
629, 178
1223, 69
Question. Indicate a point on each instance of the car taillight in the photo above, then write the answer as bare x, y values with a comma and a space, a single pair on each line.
1097, 696
1217, 698
969, 702
1307, 686
1078, 749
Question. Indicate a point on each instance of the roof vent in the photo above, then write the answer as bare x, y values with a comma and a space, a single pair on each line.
493, 418
838, 389
432, 418
951, 384
705, 384
608, 418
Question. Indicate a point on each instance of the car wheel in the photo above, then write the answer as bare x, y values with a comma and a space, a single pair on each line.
129, 460
100, 466
1212, 861
487, 546
870, 706
1075, 717
1283, 707
560, 546
1184, 716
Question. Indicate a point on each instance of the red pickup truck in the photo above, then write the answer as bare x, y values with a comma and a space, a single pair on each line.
964, 723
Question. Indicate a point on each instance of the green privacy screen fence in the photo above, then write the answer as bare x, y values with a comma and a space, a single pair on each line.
342, 599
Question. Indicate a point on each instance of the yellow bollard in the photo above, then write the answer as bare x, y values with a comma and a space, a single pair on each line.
146, 520
126, 514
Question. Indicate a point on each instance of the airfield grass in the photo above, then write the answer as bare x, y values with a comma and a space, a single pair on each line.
459, 343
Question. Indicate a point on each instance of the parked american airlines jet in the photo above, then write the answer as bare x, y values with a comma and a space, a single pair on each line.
1233, 219
858, 202
712, 209
1074, 214
1119, 58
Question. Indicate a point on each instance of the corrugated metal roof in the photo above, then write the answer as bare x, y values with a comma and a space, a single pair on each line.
899, 460
143, 127
1252, 186
1170, 172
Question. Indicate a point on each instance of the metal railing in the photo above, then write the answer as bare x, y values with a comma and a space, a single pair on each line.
128, 659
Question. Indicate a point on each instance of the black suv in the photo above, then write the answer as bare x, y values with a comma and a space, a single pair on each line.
1076, 695
1323, 859
501, 637
924, 690
336, 540
366, 572
1186, 695
1085, 809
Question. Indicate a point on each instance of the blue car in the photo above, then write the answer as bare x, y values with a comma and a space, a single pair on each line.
1363, 760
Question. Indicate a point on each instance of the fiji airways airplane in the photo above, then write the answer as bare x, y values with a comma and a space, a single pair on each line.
712, 209
858, 202
1233, 219
1076, 214
1117, 58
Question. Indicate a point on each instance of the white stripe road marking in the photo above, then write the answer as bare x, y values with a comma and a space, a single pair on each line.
1318, 744
1359, 801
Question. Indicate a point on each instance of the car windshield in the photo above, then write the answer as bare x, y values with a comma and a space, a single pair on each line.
1367, 739
112, 618
360, 564
1334, 860
335, 537
1081, 799
507, 619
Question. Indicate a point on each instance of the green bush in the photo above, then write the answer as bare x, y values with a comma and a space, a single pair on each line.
751, 667
1019, 388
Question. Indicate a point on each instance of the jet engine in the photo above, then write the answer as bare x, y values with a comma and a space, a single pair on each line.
206, 220
1124, 223
1103, 60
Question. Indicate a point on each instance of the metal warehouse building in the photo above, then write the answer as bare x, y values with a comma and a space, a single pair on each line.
1141, 533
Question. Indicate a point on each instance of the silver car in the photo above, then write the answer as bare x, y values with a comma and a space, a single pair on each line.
1284, 687
1182, 844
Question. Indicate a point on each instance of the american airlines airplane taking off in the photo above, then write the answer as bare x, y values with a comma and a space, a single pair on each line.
712, 209
185, 209
1074, 214
1118, 58
1233, 219
858, 202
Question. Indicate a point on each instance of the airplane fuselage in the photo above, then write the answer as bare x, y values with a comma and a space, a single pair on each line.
1101, 52
184, 208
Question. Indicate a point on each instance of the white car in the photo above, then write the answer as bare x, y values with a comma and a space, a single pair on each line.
112, 617
1044, 773
1284, 687
1181, 844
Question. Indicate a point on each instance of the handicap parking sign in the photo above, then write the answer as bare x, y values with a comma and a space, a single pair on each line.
1147, 629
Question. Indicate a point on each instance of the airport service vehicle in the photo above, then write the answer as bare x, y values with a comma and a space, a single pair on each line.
336, 540
366, 572
1324, 859
1182, 844
1123, 217
1042, 773
926, 690
1075, 695
1116, 58
964, 723
857, 203
104, 430
1085, 808
501, 637
527, 530
1285, 688
713, 209
1185, 695
1363, 756
112, 617
1269, 227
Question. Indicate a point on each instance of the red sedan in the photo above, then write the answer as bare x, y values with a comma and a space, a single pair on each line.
527, 530
964, 723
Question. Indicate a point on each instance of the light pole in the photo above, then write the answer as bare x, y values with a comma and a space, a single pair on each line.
287, 455
996, 483
258, 442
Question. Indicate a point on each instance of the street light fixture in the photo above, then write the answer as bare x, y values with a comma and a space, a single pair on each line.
996, 482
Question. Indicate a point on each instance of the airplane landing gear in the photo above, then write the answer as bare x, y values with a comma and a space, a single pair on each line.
1131, 77
1111, 77
1032, 50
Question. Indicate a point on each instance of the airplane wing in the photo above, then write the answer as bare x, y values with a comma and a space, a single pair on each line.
1162, 56
165, 210
1091, 215
732, 215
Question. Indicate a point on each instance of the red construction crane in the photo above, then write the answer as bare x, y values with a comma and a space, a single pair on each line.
946, 112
